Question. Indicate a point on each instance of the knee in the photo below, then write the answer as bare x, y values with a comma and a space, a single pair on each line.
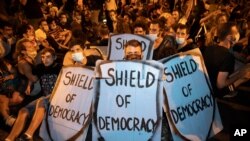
16, 98
3, 99
23, 112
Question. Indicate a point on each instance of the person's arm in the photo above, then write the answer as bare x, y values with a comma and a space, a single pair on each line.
67, 60
223, 79
237, 78
190, 5
210, 15
68, 35
25, 68
2, 50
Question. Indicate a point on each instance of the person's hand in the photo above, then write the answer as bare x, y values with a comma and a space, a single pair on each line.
246, 71
28, 90
215, 13
247, 75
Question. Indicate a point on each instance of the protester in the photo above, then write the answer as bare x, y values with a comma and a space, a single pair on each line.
9, 40
61, 36
182, 34
194, 14
140, 28
133, 50
117, 25
47, 73
76, 54
26, 55
104, 35
220, 63
9, 94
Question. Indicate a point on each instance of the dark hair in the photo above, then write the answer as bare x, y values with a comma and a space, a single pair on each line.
7, 24
76, 42
113, 11
104, 30
23, 29
63, 13
42, 20
224, 31
156, 21
77, 34
50, 20
20, 46
219, 16
182, 26
128, 14
134, 43
140, 24
50, 50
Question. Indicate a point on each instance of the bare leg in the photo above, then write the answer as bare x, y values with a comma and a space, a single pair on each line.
5, 102
36, 120
4, 106
19, 124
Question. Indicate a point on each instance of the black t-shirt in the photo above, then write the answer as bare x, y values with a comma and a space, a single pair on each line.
187, 47
218, 59
47, 76
166, 48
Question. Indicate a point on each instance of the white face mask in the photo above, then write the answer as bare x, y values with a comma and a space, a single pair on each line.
78, 57
153, 36
180, 41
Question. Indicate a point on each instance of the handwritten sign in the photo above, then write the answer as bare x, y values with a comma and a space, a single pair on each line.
117, 42
191, 107
69, 110
129, 101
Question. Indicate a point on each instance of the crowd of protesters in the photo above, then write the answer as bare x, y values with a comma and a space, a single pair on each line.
37, 37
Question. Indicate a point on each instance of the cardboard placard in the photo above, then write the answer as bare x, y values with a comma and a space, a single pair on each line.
192, 112
69, 112
128, 103
117, 42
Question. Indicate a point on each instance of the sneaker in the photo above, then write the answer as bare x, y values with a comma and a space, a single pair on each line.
231, 94
10, 121
24, 137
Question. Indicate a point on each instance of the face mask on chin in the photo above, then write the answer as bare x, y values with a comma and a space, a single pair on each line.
153, 36
78, 57
180, 41
133, 57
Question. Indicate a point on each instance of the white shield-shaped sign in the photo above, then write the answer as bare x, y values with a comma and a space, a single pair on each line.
190, 103
128, 104
69, 112
117, 42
